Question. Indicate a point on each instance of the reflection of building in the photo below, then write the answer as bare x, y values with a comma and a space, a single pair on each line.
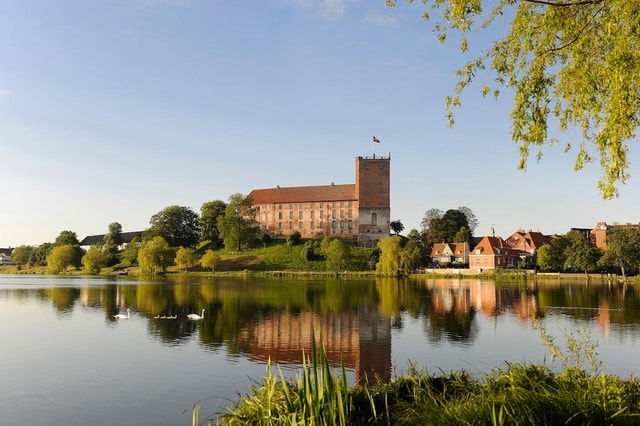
361, 340
359, 212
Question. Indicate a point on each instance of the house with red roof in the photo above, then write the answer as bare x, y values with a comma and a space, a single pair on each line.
445, 253
357, 212
494, 252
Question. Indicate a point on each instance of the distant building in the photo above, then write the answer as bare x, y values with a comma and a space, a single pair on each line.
92, 240
5, 256
494, 252
444, 253
598, 235
359, 212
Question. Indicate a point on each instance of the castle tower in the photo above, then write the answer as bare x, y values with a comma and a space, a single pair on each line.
373, 193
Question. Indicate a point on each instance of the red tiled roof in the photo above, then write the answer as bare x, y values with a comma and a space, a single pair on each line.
302, 194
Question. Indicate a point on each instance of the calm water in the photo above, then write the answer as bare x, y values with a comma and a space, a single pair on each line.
65, 359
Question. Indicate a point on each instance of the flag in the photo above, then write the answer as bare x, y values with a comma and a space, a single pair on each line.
376, 140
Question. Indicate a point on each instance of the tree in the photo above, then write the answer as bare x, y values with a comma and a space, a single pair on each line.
42, 252
438, 227
209, 214
294, 238
177, 225
111, 242
580, 254
390, 254
623, 249
550, 257
570, 63
94, 260
186, 257
238, 225
155, 254
472, 220
61, 258
336, 254
396, 226
210, 259
129, 256
23, 255
67, 238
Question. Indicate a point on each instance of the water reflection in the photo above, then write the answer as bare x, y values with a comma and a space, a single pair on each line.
261, 319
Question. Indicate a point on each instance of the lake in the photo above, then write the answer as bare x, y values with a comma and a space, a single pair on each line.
66, 359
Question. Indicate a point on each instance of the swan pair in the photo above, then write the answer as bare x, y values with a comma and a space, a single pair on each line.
122, 316
195, 316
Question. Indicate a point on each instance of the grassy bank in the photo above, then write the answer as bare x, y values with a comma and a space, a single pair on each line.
519, 394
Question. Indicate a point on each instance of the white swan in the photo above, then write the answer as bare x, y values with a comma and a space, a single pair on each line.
122, 316
195, 316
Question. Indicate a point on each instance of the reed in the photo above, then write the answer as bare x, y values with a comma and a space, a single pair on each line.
577, 393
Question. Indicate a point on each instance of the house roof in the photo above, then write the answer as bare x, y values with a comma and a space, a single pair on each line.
454, 248
92, 240
494, 246
301, 194
532, 239
6, 251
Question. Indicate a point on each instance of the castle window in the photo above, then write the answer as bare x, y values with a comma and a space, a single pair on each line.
321, 213
290, 225
334, 224
300, 214
374, 219
321, 225
311, 214
341, 214
279, 225
300, 225
311, 225
311, 205
350, 224
349, 204
290, 215
333, 205
350, 214
290, 206
333, 214
341, 204
342, 224
322, 205
279, 215
266, 226
280, 206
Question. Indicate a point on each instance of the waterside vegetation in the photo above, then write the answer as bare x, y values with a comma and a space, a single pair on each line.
519, 394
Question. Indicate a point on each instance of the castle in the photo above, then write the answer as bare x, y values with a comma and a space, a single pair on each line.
357, 212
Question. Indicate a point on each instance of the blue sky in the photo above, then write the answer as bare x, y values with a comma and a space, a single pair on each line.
111, 110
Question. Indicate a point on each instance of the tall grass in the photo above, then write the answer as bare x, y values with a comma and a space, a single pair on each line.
578, 393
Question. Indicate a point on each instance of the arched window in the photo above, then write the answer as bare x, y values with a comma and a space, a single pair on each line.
374, 219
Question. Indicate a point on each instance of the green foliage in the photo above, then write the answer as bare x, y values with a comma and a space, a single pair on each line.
294, 238
111, 241
177, 225
186, 257
336, 254
574, 64
94, 260
67, 238
23, 255
63, 257
155, 254
448, 227
516, 395
129, 256
398, 257
42, 253
210, 259
396, 226
238, 225
579, 254
623, 249
209, 213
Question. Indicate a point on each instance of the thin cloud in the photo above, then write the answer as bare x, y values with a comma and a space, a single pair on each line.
380, 20
4, 92
331, 10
